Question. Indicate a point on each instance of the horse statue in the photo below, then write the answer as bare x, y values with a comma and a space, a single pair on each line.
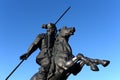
64, 63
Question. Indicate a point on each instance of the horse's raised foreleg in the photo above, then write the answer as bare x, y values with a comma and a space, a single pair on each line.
87, 62
77, 67
98, 61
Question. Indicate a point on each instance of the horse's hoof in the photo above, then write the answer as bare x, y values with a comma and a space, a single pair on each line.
94, 68
105, 63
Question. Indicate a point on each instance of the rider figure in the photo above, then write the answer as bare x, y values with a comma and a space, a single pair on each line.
44, 42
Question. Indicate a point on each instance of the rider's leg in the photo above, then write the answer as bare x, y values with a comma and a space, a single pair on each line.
44, 70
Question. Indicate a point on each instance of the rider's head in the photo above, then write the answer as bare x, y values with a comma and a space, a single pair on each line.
51, 28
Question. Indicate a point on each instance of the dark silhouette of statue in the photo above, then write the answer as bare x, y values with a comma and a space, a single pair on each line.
45, 43
56, 58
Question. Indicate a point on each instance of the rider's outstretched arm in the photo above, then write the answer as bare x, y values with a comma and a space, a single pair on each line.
33, 47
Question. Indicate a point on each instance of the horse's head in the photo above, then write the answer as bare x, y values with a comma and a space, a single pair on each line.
67, 32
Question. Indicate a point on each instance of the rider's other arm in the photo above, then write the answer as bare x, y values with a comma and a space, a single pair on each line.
33, 47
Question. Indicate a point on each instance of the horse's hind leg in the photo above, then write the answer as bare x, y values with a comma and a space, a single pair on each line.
98, 61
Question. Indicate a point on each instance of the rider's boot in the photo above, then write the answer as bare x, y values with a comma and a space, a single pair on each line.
88, 62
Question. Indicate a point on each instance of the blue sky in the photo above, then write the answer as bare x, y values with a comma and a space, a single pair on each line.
97, 35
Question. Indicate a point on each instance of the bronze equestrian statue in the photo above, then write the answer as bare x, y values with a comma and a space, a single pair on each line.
64, 62
57, 61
